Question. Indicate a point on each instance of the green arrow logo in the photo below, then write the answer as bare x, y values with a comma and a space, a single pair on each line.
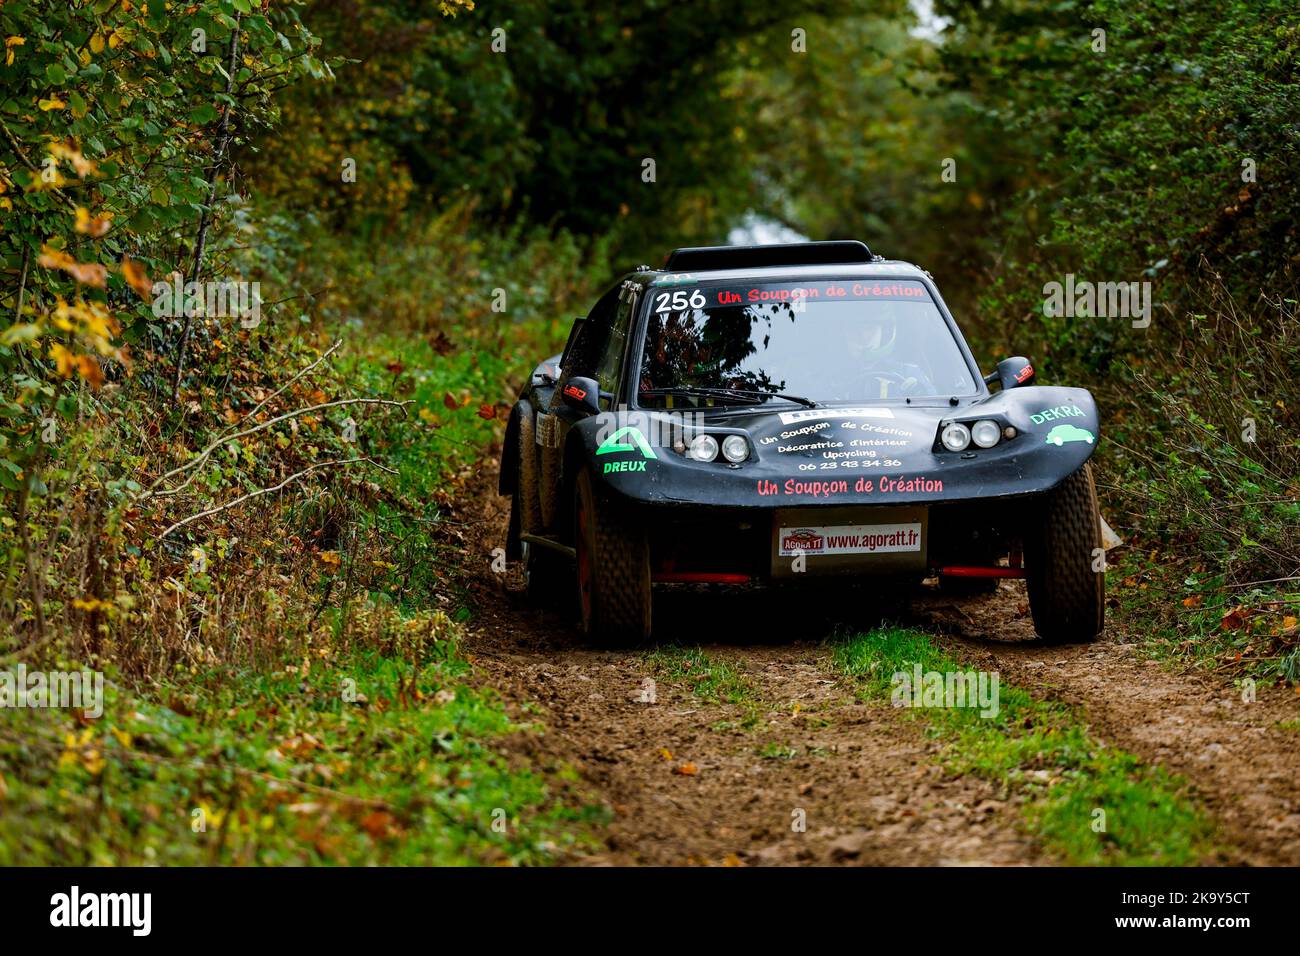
615, 443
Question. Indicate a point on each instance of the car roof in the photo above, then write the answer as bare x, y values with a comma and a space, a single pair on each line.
779, 261
894, 268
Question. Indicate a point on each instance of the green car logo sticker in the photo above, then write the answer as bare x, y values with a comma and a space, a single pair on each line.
615, 443
1062, 434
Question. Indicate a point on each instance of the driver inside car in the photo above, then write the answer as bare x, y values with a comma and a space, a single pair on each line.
871, 370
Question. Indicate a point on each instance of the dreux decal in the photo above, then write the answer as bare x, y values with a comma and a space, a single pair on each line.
626, 439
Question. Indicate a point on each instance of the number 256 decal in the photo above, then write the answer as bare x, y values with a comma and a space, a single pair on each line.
679, 301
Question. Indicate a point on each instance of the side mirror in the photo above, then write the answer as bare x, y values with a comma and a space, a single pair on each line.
582, 394
1011, 372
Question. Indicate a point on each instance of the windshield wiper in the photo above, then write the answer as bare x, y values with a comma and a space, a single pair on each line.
731, 393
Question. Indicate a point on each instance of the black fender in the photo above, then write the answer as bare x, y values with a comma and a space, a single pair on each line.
508, 477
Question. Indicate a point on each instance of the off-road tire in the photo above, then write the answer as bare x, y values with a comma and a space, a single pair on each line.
548, 489
1067, 597
530, 512
612, 568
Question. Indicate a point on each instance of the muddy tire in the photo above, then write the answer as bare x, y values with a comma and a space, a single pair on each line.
1067, 597
548, 489
613, 568
530, 512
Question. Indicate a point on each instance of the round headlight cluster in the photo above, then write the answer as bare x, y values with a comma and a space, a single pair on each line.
735, 449
985, 433
955, 436
703, 448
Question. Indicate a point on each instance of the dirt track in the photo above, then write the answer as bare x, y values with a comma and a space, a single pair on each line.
685, 790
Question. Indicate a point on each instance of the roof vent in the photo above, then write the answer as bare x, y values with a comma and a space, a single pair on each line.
704, 258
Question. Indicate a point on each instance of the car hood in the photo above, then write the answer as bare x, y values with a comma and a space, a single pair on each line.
884, 454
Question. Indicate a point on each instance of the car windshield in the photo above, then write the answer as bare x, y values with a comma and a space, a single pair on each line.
855, 340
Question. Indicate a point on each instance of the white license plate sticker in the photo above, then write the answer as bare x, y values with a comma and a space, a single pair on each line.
821, 414
850, 539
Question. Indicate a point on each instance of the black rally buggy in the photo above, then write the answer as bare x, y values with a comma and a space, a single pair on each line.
770, 414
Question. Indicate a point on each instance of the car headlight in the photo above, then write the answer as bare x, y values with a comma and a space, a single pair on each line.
735, 448
955, 436
703, 448
985, 433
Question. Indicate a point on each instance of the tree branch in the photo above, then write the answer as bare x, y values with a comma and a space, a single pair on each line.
266, 400
202, 456
266, 491
205, 220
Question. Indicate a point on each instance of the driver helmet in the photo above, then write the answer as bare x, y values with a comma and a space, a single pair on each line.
872, 337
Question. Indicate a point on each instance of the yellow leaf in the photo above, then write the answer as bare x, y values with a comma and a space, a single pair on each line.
72, 154
63, 359
87, 273
136, 278
88, 368
51, 258
89, 225
53, 103
93, 761
97, 43
10, 43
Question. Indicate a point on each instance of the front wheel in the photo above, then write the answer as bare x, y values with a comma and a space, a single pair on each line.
1064, 563
612, 555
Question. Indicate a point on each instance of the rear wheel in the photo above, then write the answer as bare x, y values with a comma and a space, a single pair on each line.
613, 567
545, 572
1062, 547
527, 497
